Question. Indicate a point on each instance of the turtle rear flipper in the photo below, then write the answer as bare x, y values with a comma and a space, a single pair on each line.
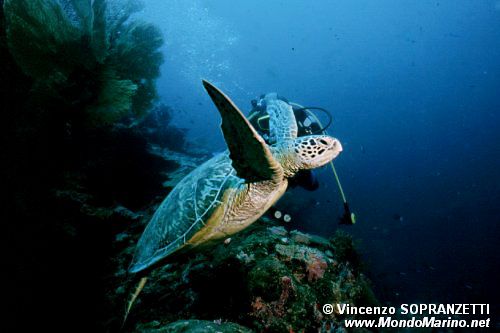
249, 153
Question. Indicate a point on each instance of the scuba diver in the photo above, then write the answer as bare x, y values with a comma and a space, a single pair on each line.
308, 124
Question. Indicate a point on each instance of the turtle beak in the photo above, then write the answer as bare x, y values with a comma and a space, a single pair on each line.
336, 145
335, 149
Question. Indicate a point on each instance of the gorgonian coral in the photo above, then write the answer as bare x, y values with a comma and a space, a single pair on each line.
89, 53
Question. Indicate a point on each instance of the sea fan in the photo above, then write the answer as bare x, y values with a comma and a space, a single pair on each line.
135, 54
41, 38
114, 100
88, 52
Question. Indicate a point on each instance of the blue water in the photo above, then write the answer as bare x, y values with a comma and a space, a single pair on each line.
414, 88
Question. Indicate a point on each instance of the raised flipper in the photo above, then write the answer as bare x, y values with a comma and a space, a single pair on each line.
250, 155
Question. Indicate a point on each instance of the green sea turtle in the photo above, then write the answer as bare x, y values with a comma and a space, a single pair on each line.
233, 189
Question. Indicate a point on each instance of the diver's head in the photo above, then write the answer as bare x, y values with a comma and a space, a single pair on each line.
314, 151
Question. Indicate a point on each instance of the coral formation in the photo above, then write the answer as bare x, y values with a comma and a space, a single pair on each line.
90, 55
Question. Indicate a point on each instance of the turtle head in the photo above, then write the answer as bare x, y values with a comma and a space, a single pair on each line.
315, 151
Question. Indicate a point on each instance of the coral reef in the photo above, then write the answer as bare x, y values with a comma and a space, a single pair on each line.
265, 278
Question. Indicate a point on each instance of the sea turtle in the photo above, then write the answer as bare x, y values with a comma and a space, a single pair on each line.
233, 189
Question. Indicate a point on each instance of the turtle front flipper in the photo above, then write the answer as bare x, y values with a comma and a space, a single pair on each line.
249, 153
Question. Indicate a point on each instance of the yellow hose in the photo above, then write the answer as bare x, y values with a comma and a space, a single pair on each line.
331, 162
338, 182
341, 190
339, 185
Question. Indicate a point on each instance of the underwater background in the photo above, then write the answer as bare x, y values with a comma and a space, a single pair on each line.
89, 87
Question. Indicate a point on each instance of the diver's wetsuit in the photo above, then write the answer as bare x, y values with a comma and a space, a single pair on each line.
304, 178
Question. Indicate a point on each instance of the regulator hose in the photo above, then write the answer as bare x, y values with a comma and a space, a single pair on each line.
325, 111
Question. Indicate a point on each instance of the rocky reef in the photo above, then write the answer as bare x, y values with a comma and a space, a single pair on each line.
265, 278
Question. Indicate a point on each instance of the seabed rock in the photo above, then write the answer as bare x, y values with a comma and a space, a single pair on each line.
256, 280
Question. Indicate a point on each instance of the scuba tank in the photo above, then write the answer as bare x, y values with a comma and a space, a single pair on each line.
308, 124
